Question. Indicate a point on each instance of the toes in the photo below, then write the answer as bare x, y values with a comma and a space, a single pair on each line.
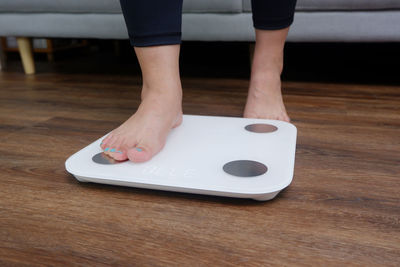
285, 117
139, 154
105, 142
103, 145
112, 148
110, 142
117, 154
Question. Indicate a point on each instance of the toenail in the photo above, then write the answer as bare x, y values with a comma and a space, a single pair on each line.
119, 151
107, 148
112, 150
139, 149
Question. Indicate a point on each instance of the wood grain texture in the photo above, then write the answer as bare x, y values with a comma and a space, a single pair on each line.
342, 208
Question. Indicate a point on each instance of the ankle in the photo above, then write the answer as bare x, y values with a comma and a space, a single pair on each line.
266, 69
270, 80
173, 91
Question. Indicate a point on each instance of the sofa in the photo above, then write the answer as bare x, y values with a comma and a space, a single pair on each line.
203, 20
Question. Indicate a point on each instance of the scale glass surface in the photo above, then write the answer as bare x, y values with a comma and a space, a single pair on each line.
222, 156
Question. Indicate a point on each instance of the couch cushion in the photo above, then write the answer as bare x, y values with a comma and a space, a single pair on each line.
331, 5
111, 6
61, 6
212, 6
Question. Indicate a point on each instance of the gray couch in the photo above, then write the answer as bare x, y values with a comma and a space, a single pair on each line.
205, 20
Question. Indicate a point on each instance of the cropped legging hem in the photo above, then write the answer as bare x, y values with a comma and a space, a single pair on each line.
273, 24
158, 22
156, 39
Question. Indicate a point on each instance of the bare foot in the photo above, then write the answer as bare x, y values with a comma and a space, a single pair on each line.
264, 100
144, 134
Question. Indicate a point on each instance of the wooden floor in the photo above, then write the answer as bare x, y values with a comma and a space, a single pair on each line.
343, 206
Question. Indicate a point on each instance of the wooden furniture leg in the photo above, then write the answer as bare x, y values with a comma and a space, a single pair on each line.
50, 48
25, 50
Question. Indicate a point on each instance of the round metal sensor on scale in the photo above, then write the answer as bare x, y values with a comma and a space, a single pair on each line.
102, 158
261, 128
245, 168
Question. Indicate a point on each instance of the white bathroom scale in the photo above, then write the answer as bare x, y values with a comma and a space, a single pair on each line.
222, 156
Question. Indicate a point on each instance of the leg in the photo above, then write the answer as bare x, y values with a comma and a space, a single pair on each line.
264, 99
25, 50
271, 21
157, 46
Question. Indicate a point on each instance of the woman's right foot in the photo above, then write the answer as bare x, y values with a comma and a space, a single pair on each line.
144, 134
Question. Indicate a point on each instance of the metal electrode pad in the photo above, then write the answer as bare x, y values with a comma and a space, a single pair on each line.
261, 128
102, 158
245, 168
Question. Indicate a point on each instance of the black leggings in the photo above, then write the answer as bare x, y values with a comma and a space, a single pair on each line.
158, 22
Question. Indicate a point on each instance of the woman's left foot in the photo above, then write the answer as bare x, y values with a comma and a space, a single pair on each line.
264, 99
